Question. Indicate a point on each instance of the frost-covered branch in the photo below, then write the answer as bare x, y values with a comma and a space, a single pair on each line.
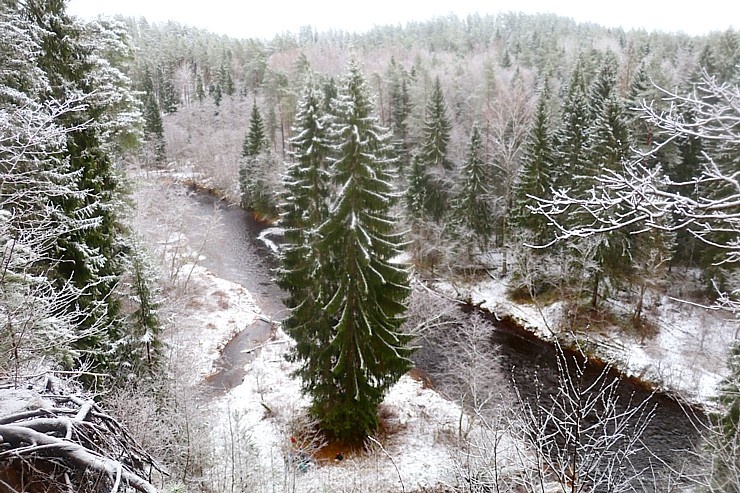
642, 197
80, 437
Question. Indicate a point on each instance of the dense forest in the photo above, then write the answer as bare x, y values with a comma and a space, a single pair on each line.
592, 167
541, 103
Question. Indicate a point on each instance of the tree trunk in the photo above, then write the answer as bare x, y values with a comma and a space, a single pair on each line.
595, 293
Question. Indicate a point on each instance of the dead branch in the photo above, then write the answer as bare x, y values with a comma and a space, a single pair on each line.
78, 435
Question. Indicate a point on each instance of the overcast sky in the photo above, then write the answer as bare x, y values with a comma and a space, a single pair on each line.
265, 18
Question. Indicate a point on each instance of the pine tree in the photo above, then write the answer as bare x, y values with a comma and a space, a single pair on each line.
471, 212
349, 369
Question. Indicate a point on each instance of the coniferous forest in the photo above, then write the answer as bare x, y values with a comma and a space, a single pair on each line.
587, 170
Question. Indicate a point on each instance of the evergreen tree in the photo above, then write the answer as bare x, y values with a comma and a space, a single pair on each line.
144, 338
348, 370
199, 92
572, 135
607, 148
536, 176
330, 94
36, 320
303, 210
217, 94
153, 126
436, 131
169, 98
400, 109
257, 170
90, 256
417, 191
433, 153
471, 212
225, 80
255, 141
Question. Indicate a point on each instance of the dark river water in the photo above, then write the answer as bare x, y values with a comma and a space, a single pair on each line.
236, 254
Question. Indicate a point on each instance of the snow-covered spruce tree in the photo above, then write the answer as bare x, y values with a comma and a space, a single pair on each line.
143, 340
366, 352
89, 256
533, 267
169, 99
400, 109
471, 213
255, 140
154, 142
257, 169
433, 151
417, 191
607, 146
536, 176
34, 321
303, 209
572, 134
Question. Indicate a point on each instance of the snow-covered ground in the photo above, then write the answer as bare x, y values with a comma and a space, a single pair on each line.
418, 452
422, 451
687, 355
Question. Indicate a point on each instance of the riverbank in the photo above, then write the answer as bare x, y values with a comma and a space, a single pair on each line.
684, 355
252, 419
261, 408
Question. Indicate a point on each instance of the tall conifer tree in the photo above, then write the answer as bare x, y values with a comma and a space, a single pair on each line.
364, 352
90, 257
471, 212
436, 131
303, 210
536, 175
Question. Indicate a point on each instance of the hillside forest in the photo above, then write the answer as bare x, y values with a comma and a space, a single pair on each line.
592, 168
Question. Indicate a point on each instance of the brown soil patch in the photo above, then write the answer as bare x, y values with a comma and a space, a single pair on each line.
389, 427
221, 299
421, 376
328, 453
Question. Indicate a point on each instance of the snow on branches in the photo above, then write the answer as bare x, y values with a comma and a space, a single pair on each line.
640, 196
67, 441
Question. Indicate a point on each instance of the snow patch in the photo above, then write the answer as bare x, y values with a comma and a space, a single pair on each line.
422, 447
688, 355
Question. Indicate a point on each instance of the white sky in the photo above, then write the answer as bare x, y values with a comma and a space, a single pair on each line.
266, 18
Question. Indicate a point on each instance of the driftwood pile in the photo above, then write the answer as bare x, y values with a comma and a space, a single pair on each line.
63, 443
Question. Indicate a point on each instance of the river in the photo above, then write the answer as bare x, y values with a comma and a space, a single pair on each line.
233, 252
